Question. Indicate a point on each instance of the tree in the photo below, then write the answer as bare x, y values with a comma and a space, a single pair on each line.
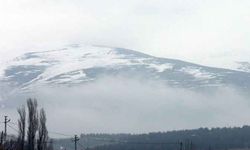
1, 141
21, 126
32, 123
42, 132
1, 138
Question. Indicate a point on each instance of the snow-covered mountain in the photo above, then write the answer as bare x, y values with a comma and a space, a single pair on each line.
243, 66
78, 64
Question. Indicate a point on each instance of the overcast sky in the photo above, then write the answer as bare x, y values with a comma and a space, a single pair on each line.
209, 32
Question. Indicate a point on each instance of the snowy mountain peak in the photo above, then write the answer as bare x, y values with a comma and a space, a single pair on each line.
243, 66
77, 64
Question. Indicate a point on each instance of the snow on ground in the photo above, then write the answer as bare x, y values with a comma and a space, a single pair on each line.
2, 68
79, 57
243, 66
198, 73
161, 67
68, 64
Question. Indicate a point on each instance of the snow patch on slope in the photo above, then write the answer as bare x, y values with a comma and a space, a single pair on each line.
243, 66
76, 64
67, 65
198, 73
161, 67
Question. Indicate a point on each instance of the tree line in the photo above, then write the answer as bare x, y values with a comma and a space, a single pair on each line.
226, 138
32, 130
196, 139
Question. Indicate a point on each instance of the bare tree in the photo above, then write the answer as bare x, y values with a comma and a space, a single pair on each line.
1, 141
42, 132
21, 126
32, 123
1, 138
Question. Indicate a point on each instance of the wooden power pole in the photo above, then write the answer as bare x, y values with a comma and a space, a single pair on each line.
6, 121
75, 140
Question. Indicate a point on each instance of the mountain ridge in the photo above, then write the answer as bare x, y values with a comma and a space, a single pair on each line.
77, 64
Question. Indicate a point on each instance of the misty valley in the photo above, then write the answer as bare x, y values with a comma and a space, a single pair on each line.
105, 98
32, 133
124, 75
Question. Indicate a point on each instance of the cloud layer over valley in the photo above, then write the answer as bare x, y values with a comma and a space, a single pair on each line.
132, 105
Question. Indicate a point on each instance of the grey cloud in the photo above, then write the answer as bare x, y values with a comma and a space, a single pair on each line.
176, 29
120, 104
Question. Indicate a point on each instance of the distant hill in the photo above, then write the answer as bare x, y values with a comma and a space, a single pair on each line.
197, 139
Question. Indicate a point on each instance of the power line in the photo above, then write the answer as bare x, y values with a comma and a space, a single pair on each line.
13, 128
76, 139
51, 132
58, 133
81, 145
13, 123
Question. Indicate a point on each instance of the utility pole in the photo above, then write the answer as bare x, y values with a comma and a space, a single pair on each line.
6, 121
75, 140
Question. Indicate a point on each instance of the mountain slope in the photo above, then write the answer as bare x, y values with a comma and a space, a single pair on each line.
78, 64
